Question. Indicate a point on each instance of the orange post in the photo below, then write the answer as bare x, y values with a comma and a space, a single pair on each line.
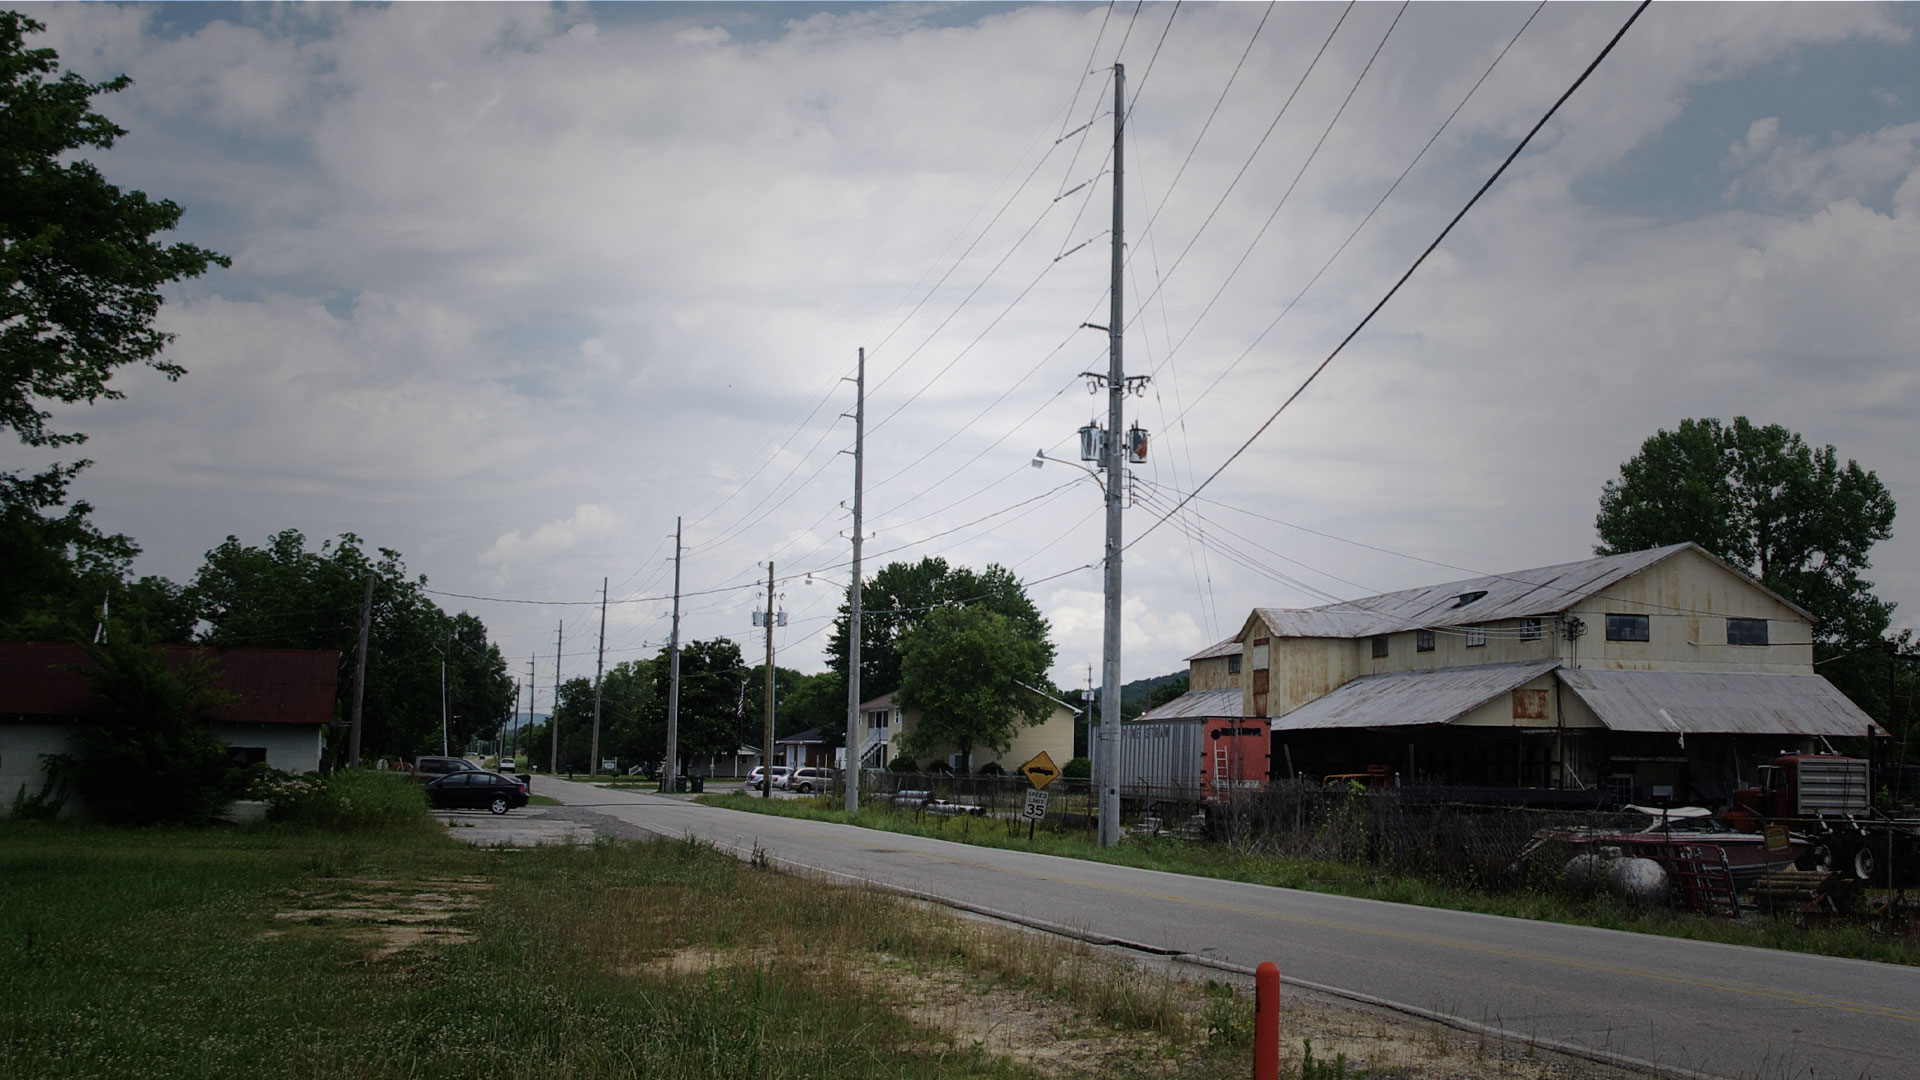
1266, 1021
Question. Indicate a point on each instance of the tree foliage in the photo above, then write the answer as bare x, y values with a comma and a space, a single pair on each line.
974, 677
1792, 515
284, 596
902, 595
80, 270
1762, 499
713, 680
150, 757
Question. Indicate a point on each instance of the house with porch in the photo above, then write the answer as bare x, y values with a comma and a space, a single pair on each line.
1664, 674
884, 724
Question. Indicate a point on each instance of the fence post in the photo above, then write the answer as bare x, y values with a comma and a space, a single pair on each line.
1266, 1021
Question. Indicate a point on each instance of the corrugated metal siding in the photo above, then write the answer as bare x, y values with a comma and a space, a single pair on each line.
1217, 703
1720, 703
1411, 698
1545, 590
1161, 759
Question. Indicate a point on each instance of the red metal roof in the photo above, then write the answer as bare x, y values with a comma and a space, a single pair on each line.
272, 686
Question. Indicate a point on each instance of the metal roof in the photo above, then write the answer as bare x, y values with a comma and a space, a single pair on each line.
273, 686
1225, 704
1717, 702
1229, 647
1411, 698
1546, 590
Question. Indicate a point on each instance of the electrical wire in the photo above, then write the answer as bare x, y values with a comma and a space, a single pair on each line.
1422, 258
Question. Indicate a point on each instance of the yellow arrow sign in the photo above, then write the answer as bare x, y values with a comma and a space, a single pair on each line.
1040, 771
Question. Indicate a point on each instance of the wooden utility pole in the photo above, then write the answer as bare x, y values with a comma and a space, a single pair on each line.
766, 770
553, 718
599, 669
1116, 462
853, 590
672, 768
444, 657
360, 675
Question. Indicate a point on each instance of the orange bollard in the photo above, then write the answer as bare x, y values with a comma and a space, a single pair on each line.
1266, 1021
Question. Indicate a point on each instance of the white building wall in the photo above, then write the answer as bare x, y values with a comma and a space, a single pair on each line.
293, 748
21, 746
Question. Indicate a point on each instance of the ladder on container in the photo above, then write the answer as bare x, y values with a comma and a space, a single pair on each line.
1701, 873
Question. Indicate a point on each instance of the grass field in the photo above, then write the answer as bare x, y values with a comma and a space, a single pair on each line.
270, 952
1219, 861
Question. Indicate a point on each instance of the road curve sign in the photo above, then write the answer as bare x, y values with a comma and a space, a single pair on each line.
1040, 771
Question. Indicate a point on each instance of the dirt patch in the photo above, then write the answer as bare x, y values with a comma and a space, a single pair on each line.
386, 916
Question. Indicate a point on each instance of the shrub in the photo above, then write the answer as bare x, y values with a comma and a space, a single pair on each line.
357, 800
903, 765
150, 756
992, 768
1077, 769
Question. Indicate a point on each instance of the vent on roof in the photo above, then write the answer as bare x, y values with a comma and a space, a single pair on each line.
1466, 598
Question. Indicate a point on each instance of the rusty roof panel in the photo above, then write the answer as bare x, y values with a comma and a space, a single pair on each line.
1546, 590
1411, 698
1229, 647
273, 686
1222, 704
1717, 702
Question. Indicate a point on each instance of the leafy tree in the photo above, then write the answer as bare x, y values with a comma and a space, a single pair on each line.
284, 596
813, 701
151, 756
713, 681
1789, 514
80, 271
80, 275
902, 595
974, 677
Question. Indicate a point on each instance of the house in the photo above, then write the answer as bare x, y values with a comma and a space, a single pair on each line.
282, 703
884, 724
1659, 674
803, 749
739, 763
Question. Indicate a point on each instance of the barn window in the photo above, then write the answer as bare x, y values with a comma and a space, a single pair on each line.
1423, 641
1746, 631
1379, 646
1628, 628
1233, 665
1529, 629
1476, 637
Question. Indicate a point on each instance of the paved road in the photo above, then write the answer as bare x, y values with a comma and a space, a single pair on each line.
1678, 1006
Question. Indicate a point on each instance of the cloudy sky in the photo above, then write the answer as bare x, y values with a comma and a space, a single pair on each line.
515, 286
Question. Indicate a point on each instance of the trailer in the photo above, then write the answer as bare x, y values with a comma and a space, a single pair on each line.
1193, 759
1829, 799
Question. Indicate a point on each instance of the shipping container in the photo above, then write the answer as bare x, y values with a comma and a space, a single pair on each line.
1193, 758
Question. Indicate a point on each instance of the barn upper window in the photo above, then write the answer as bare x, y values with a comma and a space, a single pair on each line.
1628, 628
1746, 631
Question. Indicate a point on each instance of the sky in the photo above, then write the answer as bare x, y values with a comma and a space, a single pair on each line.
516, 287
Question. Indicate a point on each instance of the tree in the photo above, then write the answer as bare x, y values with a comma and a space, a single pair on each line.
80, 272
713, 680
284, 596
902, 594
151, 757
974, 677
1791, 515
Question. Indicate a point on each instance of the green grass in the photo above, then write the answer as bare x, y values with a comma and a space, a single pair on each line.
1548, 904
228, 953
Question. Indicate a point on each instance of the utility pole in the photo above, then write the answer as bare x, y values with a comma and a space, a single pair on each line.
853, 601
766, 770
532, 669
599, 669
443, 691
673, 683
1109, 775
553, 718
360, 675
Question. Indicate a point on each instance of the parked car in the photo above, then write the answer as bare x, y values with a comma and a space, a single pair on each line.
809, 780
508, 765
428, 767
757, 781
476, 790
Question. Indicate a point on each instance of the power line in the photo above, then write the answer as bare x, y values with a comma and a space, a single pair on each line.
1375, 310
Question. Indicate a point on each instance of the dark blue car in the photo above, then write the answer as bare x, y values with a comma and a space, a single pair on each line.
476, 790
